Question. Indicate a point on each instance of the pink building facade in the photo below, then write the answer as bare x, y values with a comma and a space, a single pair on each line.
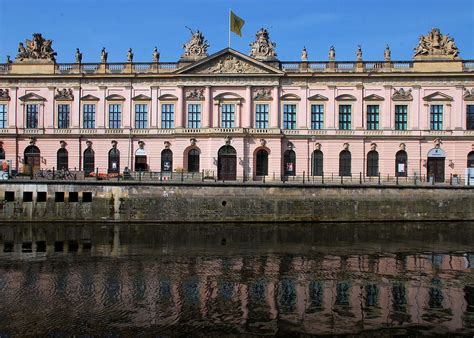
233, 116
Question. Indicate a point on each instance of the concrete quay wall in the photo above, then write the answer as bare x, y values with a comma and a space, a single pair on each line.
133, 202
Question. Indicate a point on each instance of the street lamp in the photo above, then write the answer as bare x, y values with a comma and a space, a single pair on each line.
313, 139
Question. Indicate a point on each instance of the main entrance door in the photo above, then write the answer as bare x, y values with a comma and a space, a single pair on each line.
435, 165
32, 159
227, 164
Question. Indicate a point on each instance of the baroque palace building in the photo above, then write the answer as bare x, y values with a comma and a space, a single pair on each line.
239, 116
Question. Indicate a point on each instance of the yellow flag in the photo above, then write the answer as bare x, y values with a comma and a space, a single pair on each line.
236, 24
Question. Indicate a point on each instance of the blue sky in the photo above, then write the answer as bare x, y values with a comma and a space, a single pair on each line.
316, 24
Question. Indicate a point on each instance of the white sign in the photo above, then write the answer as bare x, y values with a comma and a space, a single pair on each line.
469, 174
401, 167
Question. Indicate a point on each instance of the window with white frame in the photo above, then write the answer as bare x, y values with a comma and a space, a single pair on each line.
317, 116
436, 117
227, 115
345, 116
261, 115
115, 116
289, 116
32, 115
88, 116
141, 116
372, 117
401, 117
194, 115
63, 115
167, 115
3, 115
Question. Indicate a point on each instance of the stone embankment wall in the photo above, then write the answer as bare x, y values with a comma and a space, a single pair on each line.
113, 201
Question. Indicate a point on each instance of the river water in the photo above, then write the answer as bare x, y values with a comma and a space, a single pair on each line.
232, 279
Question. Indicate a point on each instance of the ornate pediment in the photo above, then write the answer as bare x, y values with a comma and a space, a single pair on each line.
468, 94
89, 97
435, 45
168, 97
115, 97
262, 94
228, 96
36, 49
290, 97
141, 97
373, 97
31, 97
4, 95
402, 95
317, 97
64, 95
196, 94
438, 96
346, 97
229, 62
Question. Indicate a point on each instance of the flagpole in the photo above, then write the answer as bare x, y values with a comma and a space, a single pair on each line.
229, 25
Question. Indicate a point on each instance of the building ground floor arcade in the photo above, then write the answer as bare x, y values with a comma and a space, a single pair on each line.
243, 157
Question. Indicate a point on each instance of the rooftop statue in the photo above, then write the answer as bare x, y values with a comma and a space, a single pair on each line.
262, 47
196, 47
36, 49
129, 55
103, 55
387, 54
332, 53
359, 53
304, 55
437, 45
78, 56
156, 55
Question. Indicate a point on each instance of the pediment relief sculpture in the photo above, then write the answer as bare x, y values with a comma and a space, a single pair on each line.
230, 65
64, 94
4, 95
262, 47
195, 94
262, 94
36, 49
402, 95
468, 94
437, 45
196, 47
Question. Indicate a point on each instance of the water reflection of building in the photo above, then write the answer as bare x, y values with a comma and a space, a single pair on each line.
319, 293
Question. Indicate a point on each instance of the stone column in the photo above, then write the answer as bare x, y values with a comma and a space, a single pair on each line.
275, 108
302, 111
101, 108
417, 109
127, 112
153, 107
76, 107
458, 121
358, 108
47, 118
247, 111
179, 121
14, 114
206, 108
330, 115
387, 110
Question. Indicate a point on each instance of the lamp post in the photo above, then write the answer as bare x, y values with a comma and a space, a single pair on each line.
313, 139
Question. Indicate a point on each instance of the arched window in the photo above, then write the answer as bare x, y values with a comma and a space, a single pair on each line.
470, 159
289, 163
114, 161
89, 161
167, 160
2, 154
317, 163
345, 163
227, 163
401, 164
193, 161
62, 157
373, 163
32, 159
261, 168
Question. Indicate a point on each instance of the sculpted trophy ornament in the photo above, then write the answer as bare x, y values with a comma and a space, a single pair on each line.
436, 45
4, 94
103, 55
130, 55
78, 56
387, 54
402, 95
262, 47
64, 94
195, 94
196, 47
156, 55
36, 49
332, 53
262, 94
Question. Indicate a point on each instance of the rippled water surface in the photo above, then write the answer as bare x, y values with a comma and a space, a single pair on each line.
191, 279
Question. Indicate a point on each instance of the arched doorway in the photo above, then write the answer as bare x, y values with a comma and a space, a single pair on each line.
89, 161
317, 163
141, 160
261, 163
193, 160
372, 163
435, 164
289, 163
2, 154
114, 161
32, 159
227, 163
470, 160
62, 159
401, 164
345, 163
167, 160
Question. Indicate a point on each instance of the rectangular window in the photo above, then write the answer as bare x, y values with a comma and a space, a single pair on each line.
227, 115
115, 116
470, 117
167, 116
63, 116
194, 116
141, 116
289, 116
372, 117
345, 117
401, 117
261, 116
436, 117
89, 116
317, 116
31, 116
3, 115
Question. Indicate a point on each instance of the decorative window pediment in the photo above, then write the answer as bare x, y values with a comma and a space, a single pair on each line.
168, 97
228, 96
141, 97
89, 97
468, 95
438, 96
346, 97
402, 95
290, 97
317, 97
115, 97
373, 97
64, 95
32, 97
4, 95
